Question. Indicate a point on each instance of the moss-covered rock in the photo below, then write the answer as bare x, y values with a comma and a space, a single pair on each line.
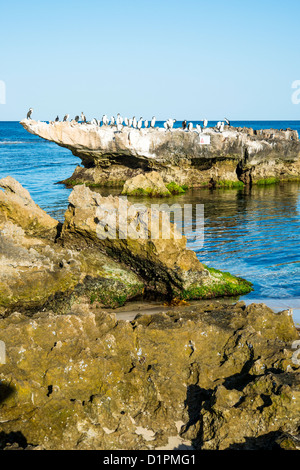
212, 376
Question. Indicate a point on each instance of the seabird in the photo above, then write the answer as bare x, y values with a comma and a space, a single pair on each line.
205, 122
56, 119
76, 118
199, 128
126, 121
227, 121
112, 121
190, 126
146, 124
153, 120
119, 119
94, 122
29, 113
140, 123
134, 122
66, 117
222, 124
104, 120
83, 118
172, 121
184, 124
129, 122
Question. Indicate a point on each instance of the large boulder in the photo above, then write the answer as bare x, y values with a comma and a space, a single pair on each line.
134, 236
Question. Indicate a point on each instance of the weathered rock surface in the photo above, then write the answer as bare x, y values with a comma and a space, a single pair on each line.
132, 236
43, 267
16, 205
215, 377
37, 273
148, 184
233, 156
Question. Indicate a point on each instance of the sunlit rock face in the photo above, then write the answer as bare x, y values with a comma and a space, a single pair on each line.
213, 377
236, 155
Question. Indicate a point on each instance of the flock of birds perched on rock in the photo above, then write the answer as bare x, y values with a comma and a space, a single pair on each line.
120, 123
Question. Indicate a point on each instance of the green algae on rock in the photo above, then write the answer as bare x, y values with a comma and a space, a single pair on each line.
216, 377
46, 267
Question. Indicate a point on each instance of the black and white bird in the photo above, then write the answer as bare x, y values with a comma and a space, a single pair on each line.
140, 123
29, 113
83, 118
105, 120
119, 119
227, 121
76, 119
66, 117
134, 122
56, 119
184, 124
129, 122
112, 121
199, 128
146, 124
126, 121
153, 120
222, 125
205, 122
190, 126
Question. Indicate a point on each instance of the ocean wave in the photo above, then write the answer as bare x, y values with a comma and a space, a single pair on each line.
12, 142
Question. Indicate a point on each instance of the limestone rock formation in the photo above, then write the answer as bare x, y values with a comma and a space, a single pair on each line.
17, 205
148, 184
44, 265
134, 236
213, 377
232, 157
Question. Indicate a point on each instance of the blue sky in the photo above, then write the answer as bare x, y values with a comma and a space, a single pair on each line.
184, 59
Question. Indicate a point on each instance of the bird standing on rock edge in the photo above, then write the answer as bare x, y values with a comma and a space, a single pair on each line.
66, 117
29, 113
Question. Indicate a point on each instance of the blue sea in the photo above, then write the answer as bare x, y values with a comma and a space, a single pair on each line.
253, 233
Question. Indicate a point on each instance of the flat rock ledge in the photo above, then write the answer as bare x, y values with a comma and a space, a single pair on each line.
233, 157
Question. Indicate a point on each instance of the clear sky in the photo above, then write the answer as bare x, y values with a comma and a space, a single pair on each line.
188, 59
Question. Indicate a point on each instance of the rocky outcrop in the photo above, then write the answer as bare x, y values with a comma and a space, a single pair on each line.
213, 377
235, 156
135, 237
43, 267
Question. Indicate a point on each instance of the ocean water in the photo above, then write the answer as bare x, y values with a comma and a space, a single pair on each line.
253, 233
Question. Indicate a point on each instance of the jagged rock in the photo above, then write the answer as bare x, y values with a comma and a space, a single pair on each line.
148, 184
37, 273
233, 157
213, 377
52, 273
17, 205
134, 237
